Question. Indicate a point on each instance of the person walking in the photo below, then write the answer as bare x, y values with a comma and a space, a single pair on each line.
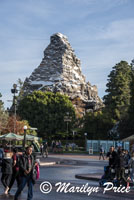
27, 164
53, 146
7, 164
45, 149
101, 153
42, 149
15, 174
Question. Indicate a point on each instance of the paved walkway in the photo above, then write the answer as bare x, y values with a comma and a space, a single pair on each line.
62, 157
52, 160
73, 159
70, 159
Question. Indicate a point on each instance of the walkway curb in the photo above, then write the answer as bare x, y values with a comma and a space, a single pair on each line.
47, 163
93, 177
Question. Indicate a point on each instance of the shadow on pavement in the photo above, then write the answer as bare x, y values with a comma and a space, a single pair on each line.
3, 197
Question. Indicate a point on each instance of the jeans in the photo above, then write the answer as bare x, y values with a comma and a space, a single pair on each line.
25, 180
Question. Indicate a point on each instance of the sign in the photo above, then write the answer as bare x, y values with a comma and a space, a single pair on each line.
67, 120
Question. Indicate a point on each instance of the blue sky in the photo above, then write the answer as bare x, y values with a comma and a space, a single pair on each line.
100, 31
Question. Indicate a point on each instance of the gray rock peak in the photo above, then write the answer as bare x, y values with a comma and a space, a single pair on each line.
60, 71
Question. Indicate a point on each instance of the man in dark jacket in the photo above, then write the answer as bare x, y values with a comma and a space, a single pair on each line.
112, 155
27, 163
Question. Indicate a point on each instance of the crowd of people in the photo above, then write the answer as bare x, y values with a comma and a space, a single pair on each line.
121, 165
56, 146
19, 167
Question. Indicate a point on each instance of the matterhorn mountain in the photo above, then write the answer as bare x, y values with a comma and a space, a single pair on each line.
60, 71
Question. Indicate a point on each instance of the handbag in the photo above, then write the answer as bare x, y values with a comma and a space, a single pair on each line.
36, 173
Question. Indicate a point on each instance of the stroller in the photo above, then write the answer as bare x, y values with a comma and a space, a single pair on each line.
108, 176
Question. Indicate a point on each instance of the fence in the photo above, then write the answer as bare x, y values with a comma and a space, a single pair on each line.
95, 145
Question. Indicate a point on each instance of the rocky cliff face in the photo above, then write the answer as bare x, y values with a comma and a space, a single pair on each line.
60, 71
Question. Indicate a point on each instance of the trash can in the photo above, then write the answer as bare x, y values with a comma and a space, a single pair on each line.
90, 151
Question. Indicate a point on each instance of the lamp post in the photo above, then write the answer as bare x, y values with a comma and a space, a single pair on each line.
24, 141
14, 91
73, 135
85, 134
67, 119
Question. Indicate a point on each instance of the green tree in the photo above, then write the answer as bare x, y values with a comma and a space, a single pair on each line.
117, 99
127, 123
3, 116
97, 124
46, 111
131, 108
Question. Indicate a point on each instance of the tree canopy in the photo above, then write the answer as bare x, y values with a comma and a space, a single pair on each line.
46, 111
97, 124
117, 99
3, 116
119, 105
127, 123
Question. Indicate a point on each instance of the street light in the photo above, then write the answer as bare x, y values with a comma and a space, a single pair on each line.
67, 119
24, 141
73, 135
85, 134
14, 91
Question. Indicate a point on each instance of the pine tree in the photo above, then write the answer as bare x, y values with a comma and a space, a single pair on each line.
127, 123
118, 90
131, 110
